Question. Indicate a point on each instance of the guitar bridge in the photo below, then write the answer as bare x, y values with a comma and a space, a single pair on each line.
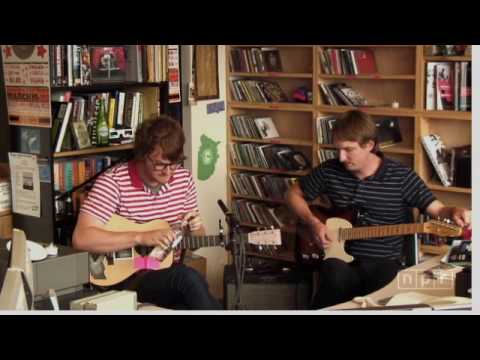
143, 250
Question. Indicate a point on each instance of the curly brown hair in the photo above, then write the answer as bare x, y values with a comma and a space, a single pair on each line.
164, 132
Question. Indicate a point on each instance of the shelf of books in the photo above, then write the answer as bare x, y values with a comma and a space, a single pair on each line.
444, 129
271, 143
126, 81
411, 91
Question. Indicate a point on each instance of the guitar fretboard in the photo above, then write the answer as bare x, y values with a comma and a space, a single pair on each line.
380, 231
195, 242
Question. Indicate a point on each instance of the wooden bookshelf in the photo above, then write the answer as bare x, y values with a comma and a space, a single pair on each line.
270, 106
450, 115
398, 149
273, 75
297, 71
93, 151
286, 141
256, 198
269, 171
369, 77
400, 77
154, 98
448, 58
453, 127
452, 189
372, 110
434, 249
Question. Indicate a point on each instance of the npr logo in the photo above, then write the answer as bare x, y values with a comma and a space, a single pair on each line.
416, 280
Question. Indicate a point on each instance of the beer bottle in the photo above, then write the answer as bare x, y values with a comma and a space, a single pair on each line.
102, 126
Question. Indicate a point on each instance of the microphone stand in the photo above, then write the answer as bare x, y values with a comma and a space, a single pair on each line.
237, 247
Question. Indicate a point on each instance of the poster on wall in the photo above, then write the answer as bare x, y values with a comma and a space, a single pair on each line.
207, 157
25, 181
173, 74
27, 84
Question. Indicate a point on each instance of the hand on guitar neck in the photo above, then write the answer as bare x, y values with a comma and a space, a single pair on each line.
336, 228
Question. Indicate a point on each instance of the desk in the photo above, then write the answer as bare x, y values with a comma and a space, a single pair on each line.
410, 279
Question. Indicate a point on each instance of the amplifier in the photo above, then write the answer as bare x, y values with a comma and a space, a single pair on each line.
279, 290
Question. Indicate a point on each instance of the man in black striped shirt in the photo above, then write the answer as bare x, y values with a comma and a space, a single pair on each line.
382, 190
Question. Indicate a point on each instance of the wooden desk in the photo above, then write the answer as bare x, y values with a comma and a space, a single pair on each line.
407, 280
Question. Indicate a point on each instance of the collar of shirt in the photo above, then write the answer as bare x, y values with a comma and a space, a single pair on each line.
381, 169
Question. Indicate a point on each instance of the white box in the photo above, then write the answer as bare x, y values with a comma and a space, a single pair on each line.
108, 301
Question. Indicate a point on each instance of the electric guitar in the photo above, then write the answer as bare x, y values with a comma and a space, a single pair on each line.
112, 268
340, 230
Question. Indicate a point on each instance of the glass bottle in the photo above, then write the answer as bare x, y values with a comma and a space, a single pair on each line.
102, 126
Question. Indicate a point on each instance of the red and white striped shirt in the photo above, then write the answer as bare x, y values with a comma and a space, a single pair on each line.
121, 191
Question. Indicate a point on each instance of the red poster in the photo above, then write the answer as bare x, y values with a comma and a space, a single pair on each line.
28, 105
27, 84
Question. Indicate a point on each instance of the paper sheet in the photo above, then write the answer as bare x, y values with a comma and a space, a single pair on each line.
413, 298
25, 184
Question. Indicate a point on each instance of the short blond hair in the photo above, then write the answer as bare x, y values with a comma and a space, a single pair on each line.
356, 126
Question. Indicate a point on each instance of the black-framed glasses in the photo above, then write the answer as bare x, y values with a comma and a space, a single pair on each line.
163, 166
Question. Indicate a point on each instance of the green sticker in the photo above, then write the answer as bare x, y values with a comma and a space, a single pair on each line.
207, 157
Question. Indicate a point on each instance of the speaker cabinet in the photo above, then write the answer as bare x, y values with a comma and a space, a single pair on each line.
282, 290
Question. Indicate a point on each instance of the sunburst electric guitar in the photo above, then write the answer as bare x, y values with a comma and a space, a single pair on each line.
113, 268
340, 230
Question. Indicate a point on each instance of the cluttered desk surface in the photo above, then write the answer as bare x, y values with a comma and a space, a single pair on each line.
411, 283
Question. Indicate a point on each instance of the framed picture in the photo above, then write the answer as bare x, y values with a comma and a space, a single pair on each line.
206, 72
108, 64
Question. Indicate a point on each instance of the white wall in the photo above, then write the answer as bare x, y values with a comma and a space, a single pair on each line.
196, 122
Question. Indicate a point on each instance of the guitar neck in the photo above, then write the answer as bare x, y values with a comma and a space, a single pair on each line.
195, 242
380, 231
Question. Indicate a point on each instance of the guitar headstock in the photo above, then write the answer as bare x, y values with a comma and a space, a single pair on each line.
265, 237
442, 228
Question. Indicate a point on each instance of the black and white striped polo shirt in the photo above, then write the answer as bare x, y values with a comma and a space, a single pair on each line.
384, 198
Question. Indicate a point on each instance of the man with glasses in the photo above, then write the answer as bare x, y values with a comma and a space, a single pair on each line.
152, 186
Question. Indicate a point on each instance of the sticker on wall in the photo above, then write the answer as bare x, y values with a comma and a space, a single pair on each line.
216, 107
207, 157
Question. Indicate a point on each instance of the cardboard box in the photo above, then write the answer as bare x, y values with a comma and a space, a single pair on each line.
6, 225
5, 196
